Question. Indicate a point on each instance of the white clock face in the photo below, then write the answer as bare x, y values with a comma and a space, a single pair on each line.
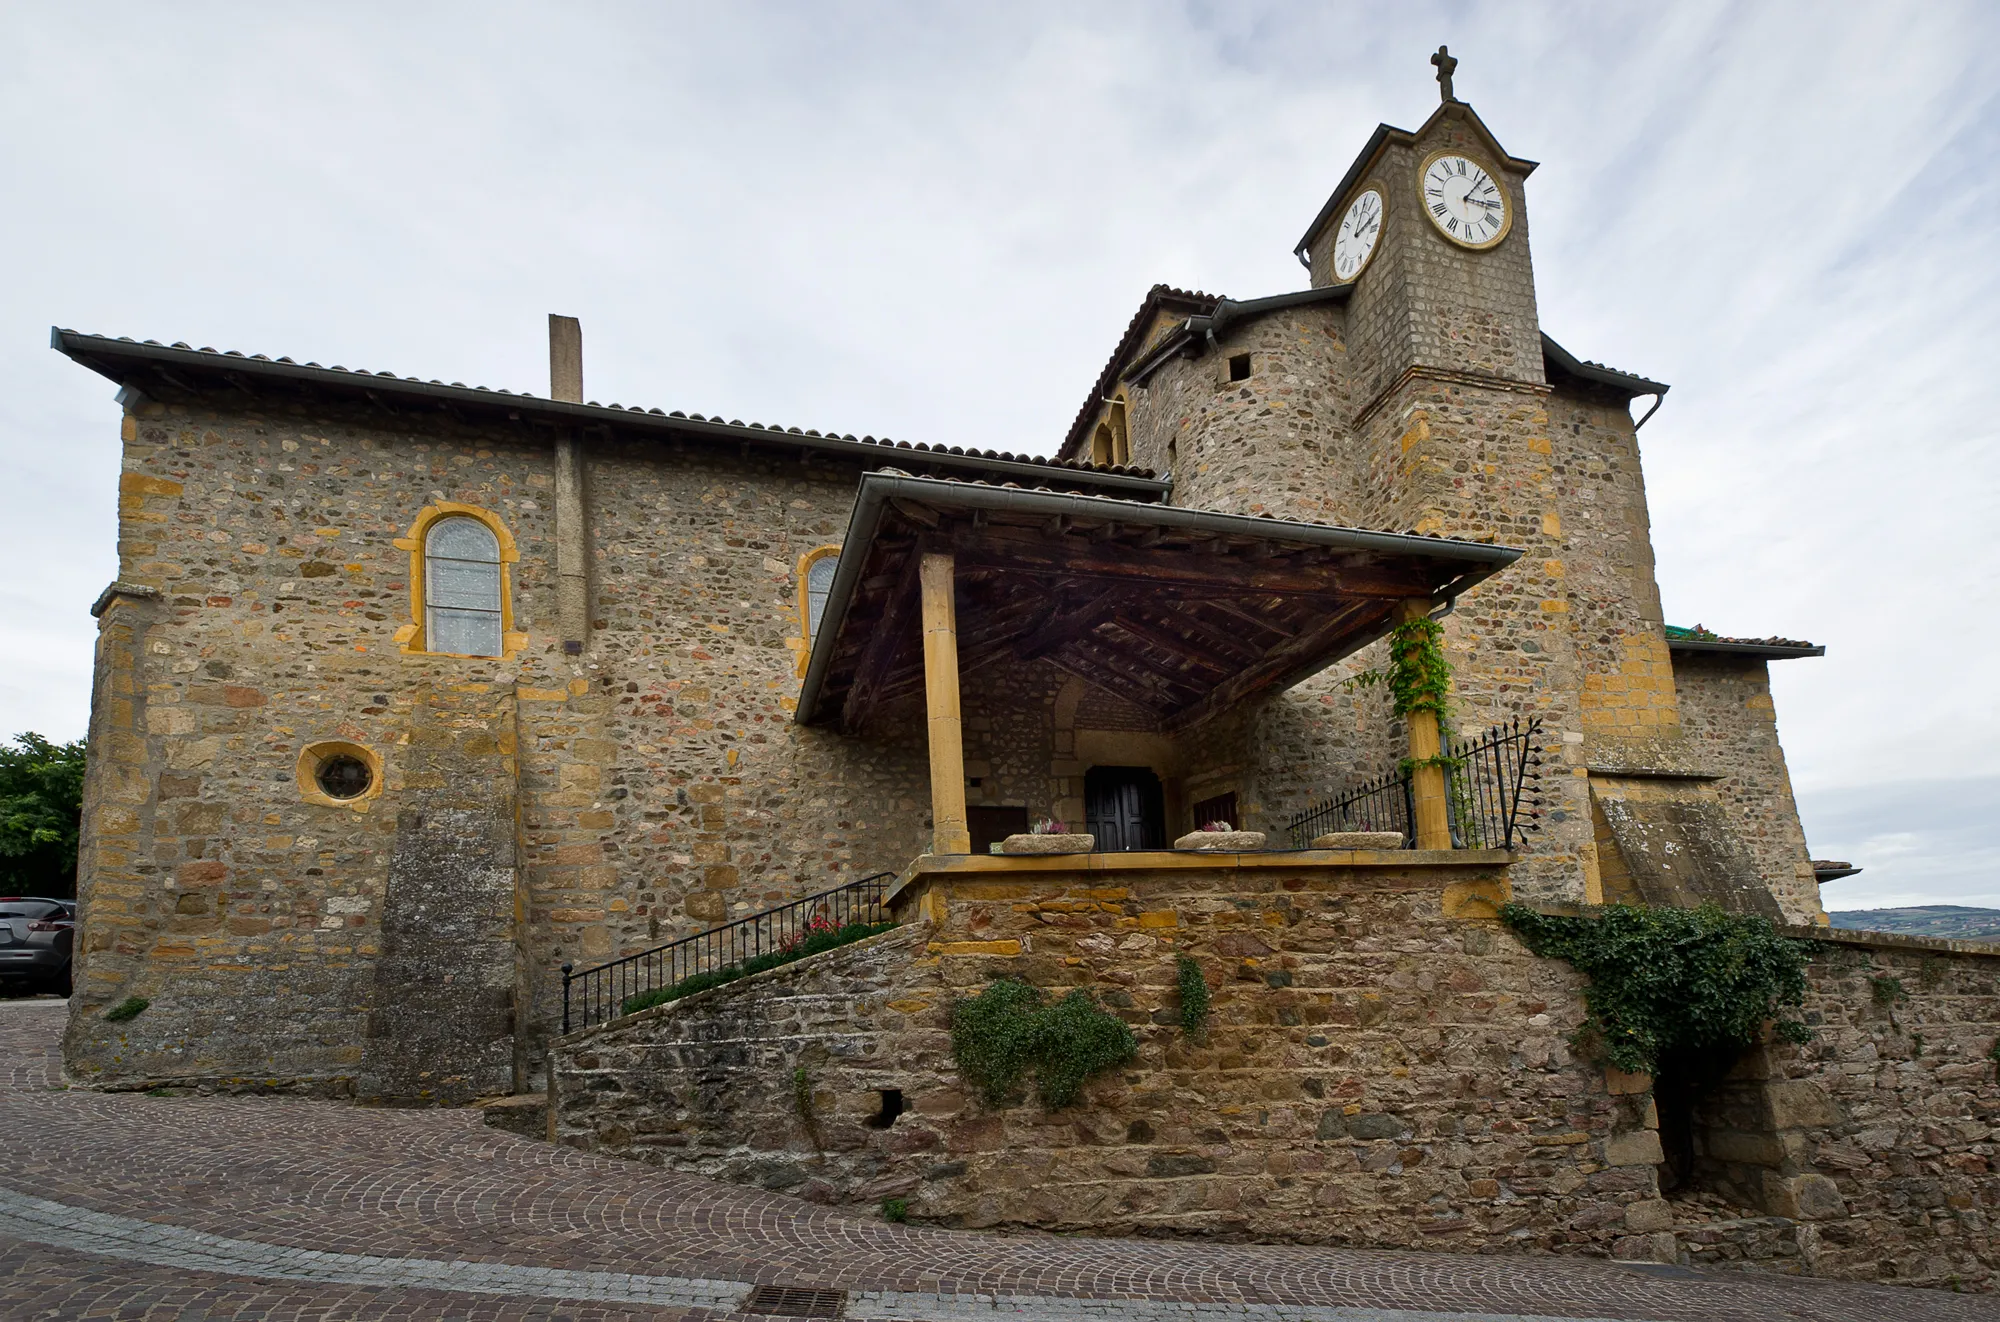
1464, 202
1354, 243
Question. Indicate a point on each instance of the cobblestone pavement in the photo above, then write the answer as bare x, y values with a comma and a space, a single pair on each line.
132, 1206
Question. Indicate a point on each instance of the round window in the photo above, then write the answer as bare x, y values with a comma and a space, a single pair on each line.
344, 776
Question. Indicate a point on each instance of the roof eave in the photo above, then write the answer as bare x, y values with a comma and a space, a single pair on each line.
1565, 363
1767, 651
878, 488
102, 355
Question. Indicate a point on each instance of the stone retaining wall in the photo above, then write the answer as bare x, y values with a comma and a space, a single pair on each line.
1384, 1065
1374, 1071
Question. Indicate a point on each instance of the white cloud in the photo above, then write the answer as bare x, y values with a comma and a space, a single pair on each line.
932, 223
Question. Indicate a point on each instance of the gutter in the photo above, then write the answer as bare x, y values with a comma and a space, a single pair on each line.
102, 354
878, 488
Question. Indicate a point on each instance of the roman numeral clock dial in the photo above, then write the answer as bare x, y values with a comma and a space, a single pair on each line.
1467, 204
1354, 242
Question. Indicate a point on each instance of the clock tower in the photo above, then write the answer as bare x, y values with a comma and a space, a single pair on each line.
1411, 388
1451, 431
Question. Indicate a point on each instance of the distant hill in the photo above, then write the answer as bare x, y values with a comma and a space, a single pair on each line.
1947, 920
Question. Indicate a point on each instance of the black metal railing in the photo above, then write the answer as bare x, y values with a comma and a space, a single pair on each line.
1382, 804
1492, 795
594, 995
1493, 789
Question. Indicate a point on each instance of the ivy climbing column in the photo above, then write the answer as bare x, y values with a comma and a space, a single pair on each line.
1427, 788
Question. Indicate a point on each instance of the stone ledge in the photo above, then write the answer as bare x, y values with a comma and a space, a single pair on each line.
1840, 936
1002, 867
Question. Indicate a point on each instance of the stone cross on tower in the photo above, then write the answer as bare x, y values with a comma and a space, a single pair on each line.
1445, 64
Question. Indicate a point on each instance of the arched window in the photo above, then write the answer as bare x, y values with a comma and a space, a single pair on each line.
462, 589
819, 582
1112, 441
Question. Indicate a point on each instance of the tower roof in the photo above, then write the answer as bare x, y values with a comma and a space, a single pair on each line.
1386, 134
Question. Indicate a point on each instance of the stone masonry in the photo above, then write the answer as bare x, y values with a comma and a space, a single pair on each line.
1383, 1065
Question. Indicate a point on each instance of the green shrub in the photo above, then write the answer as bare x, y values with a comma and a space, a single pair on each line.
896, 1210
129, 1008
1194, 995
815, 943
1665, 980
1886, 990
41, 805
802, 1102
1006, 1030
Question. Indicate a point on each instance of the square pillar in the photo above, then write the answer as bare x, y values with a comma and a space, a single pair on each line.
1427, 787
947, 739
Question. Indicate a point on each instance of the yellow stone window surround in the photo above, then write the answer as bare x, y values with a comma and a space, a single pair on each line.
1112, 441
410, 638
805, 569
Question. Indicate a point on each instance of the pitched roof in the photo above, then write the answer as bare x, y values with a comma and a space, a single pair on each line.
1385, 133
1698, 639
1158, 298
162, 369
1560, 362
1182, 611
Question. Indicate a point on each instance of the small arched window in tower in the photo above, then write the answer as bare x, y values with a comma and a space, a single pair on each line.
1111, 443
462, 588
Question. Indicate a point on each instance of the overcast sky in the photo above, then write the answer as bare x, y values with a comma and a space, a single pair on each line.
932, 221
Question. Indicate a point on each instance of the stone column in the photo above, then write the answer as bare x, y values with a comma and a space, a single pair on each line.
947, 741
1433, 824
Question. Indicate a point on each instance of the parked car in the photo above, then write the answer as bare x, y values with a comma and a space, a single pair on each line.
36, 938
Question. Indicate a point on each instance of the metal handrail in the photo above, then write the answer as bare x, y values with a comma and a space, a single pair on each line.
1492, 794
599, 993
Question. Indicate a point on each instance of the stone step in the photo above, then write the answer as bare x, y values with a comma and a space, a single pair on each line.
526, 1114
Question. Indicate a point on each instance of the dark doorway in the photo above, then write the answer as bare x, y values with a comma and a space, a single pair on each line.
989, 826
1125, 808
1685, 1089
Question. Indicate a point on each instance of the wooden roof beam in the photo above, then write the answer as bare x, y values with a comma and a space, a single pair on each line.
1282, 662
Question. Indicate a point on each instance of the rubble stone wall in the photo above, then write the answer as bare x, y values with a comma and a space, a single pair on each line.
1383, 1065
1731, 724
1883, 1130
1373, 1071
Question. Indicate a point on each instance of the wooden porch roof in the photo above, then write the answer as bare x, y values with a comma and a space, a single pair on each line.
1184, 612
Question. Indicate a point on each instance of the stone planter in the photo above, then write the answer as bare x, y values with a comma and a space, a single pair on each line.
1073, 843
1221, 842
1359, 840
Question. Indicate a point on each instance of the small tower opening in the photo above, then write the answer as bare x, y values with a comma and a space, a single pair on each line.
892, 1106
1239, 367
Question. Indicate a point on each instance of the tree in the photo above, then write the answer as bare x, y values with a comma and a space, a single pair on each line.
41, 811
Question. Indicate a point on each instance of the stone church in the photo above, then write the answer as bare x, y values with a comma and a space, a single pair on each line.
413, 697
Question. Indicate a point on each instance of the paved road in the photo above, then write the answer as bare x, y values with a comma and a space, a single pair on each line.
130, 1206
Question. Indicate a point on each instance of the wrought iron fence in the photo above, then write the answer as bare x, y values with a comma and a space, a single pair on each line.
1492, 795
1493, 786
1382, 804
596, 994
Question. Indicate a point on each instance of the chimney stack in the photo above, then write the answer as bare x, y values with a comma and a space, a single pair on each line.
572, 501
565, 359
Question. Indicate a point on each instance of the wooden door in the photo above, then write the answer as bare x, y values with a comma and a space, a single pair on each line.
1125, 808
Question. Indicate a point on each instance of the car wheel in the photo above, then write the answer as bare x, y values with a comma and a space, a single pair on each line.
60, 984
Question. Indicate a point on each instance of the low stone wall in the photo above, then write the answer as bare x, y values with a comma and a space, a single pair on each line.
1383, 1065
1882, 1129
1375, 1071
